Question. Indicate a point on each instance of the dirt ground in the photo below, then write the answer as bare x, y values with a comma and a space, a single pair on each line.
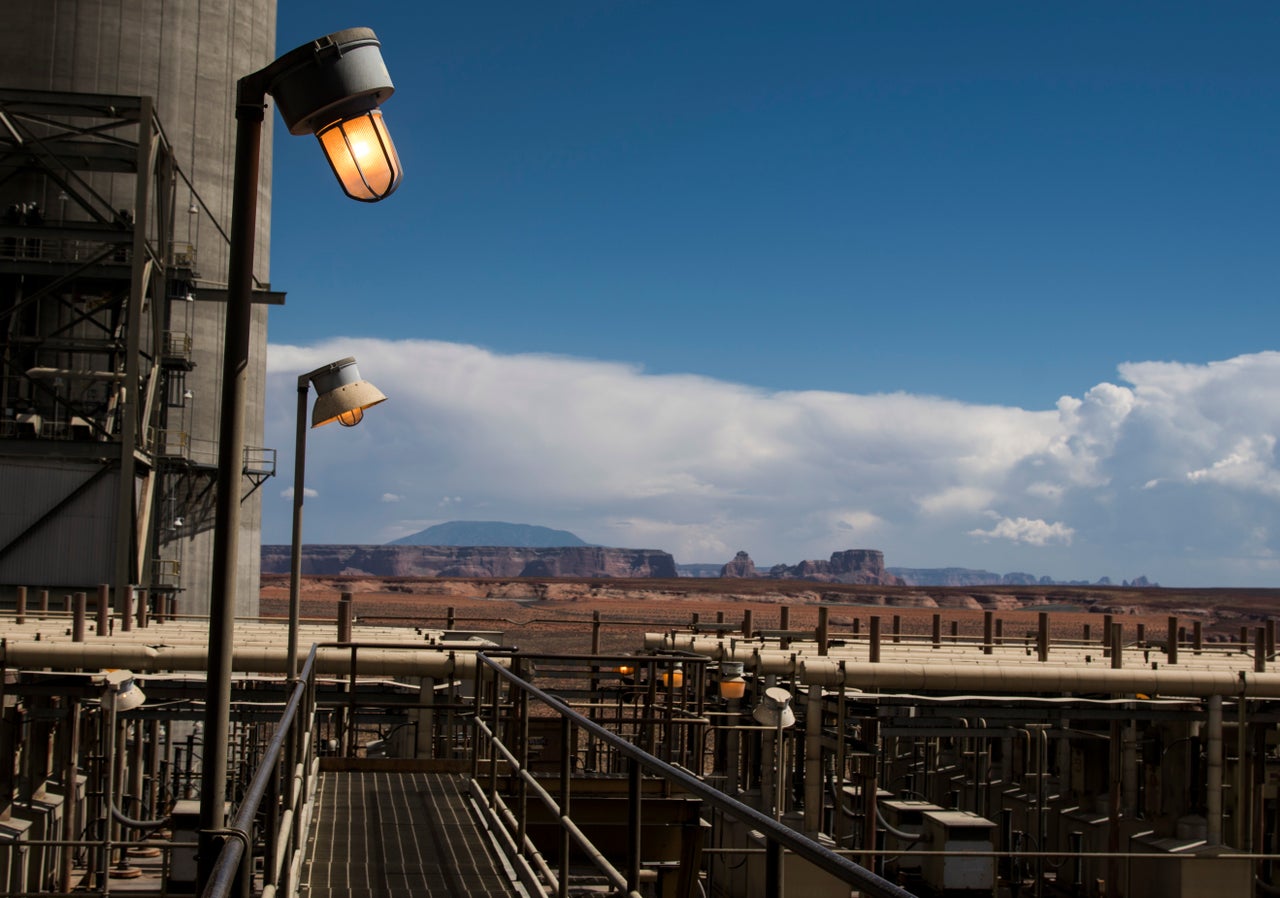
557, 615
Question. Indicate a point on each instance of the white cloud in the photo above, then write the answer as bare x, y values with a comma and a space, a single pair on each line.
1025, 530
307, 493
390, 497
1250, 466
702, 467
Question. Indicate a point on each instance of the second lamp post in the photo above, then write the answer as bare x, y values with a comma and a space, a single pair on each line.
340, 396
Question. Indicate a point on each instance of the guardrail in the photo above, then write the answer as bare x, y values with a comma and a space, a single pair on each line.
285, 780
491, 676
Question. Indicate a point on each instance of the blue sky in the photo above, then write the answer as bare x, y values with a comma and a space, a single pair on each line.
826, 222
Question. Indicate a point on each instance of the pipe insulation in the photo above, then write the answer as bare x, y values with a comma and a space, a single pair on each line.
1213, 790
1023, 679
258, 659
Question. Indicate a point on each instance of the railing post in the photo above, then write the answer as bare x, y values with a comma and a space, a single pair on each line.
1042, 637
633, 825
566, 776
773, 869
873, 644
988, 622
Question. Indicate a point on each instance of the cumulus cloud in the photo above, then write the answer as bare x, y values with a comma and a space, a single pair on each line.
307, 493
390, 497
1025, 530
1170, 472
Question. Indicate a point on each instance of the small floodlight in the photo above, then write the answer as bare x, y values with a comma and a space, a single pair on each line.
732, 685
774, 709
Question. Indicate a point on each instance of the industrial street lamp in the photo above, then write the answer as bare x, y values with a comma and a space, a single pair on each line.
332, 88
340, 396
775, 711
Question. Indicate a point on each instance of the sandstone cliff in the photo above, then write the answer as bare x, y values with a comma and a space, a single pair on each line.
472, 561
861, 566
740, 568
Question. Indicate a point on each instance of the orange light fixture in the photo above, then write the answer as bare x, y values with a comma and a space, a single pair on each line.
361, 154
341, 395
732, 685
332, 88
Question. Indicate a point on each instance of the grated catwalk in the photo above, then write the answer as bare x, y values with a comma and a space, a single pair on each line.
388, 835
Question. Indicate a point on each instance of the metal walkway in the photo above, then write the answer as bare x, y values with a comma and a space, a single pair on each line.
392, 835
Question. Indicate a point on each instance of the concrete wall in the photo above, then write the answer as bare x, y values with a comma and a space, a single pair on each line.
187, 54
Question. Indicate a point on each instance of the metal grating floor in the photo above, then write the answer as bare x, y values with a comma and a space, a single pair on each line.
391, 835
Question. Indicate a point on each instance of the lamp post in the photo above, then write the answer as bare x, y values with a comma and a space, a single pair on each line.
340, 396
332, 88
775, 711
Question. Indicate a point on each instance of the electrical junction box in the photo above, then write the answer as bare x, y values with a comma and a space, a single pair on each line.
905, 815
958, 831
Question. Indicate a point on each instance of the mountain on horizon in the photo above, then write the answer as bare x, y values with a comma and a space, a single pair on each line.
490, 533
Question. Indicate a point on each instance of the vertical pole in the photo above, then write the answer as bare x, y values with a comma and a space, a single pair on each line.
823, 613
250, 101
295, 542
633, 825
999, 631
104, 609
1173, 639
746, 623
20, 611
1117, 646
784, 624
1042, 636
78, 614
897, 628
126, 609
873, 652
566, 775
44, 604
345, 617
1260, 651
988, 621
1197, 637
1106, 629
937, 631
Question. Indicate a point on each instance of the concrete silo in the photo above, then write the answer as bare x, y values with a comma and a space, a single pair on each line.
115, 181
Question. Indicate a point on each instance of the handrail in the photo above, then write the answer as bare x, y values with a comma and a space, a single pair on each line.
229, 873
777, 835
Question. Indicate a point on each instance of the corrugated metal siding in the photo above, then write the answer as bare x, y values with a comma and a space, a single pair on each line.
73, 549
